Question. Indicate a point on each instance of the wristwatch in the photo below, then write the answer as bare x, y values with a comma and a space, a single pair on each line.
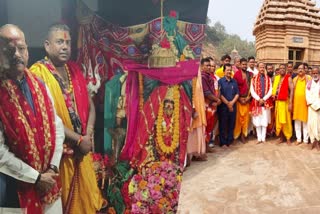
54, 168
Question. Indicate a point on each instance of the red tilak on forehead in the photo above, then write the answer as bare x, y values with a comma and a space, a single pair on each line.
65, 35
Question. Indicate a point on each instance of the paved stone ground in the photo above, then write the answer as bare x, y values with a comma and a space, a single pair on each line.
253, 179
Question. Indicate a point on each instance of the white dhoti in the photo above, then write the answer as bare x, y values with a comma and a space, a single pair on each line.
314, 124
313, 101
54, 208
263, 119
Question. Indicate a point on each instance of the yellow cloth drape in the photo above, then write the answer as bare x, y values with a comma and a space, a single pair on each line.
282, 114
242, 120
283, 119
198, 102
196, 140
300, 108
276, 82
220, 72
87, 197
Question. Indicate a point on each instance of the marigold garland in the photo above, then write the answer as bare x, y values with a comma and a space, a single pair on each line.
141, 100
194, 85
176, 126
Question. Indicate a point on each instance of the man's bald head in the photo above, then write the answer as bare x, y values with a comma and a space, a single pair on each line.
11, 32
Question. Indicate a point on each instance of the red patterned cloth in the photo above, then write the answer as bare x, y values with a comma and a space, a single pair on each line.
30, 135
255, 108
243, 84
147, 120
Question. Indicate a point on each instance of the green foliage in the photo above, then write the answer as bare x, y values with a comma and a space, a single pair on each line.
225, 43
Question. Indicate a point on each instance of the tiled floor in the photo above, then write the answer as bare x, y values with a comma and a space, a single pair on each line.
253, 179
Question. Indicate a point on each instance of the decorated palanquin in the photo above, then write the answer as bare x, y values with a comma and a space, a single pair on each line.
145, 72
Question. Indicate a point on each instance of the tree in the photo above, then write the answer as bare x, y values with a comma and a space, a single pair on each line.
225, 42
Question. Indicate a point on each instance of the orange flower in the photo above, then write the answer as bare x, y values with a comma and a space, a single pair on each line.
163, 201
157, 188
111, 210
143, 184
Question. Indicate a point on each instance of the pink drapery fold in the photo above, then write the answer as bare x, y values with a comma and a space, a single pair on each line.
183, 71
132, 94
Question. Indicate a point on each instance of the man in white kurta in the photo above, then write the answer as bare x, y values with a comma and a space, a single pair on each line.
313, 102
261, 91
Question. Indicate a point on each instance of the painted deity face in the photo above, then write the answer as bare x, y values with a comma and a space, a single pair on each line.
168, 107
58, 47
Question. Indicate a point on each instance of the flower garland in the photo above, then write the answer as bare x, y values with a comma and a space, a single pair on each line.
169, 149
140, 92
156, 188
194, 85
70, 89
53, 69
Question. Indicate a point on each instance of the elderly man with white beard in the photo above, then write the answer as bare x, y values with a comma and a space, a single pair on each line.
313, 102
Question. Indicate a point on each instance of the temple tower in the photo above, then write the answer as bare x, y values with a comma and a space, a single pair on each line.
288, 31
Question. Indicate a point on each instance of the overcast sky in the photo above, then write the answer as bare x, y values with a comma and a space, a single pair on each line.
237, 16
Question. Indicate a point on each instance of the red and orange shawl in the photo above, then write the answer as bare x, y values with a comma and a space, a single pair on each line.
255, 108
30, 135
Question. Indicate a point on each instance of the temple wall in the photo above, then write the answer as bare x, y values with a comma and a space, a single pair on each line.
288, 25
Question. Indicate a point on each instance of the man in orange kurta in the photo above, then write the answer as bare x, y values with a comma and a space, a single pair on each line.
300, 108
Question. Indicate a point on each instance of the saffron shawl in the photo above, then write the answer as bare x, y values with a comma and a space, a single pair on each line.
30, 135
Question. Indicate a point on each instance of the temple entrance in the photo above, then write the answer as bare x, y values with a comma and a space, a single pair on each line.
295, 55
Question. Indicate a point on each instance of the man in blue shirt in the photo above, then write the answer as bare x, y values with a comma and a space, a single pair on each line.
229, 93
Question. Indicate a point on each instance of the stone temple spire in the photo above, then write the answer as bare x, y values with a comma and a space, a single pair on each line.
288, 30
288, 12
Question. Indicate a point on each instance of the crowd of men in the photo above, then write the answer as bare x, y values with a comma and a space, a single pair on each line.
46, 128
47, 118
249, 98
